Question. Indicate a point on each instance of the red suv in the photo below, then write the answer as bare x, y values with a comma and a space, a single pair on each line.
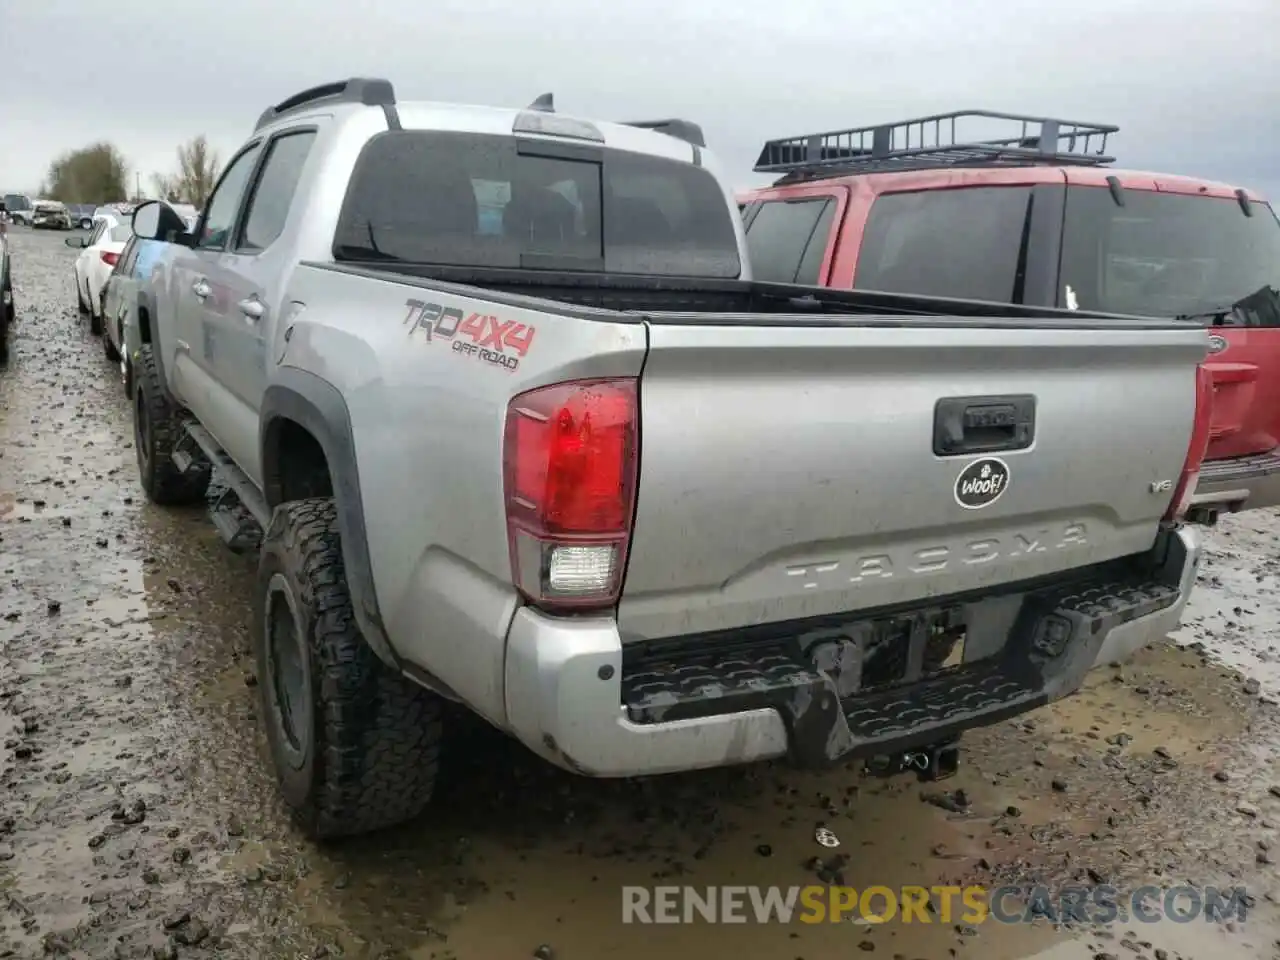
1039, 216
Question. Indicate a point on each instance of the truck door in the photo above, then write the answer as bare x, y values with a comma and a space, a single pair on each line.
204, 295
252, 272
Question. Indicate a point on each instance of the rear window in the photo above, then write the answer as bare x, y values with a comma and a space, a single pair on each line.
787, 238
965, 243
1163, 254
473, 200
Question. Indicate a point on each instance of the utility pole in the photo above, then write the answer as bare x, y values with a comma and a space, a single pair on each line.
137, 187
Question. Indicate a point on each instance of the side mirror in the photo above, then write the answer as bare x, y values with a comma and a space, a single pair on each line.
80, 242
156, 220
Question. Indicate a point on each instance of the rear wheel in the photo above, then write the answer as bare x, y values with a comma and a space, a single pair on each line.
86, 224
355, 745
156, 430
8, 314
109, 348
95, 314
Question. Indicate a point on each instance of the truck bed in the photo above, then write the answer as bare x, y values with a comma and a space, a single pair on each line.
792, 464
605, 296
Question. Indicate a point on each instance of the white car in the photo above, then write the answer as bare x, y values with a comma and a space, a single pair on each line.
189, 214
100, 253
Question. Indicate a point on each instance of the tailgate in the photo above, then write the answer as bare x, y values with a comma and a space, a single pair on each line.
789, 470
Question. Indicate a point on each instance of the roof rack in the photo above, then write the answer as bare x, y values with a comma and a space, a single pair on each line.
931, 142
366, 90
685, 130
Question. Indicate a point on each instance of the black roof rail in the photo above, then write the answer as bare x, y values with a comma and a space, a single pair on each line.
685, 130
927, 143
369, 91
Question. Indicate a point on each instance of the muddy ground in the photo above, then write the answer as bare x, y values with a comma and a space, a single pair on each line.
137, 816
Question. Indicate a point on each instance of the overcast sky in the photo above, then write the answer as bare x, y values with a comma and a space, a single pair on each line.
1193, 84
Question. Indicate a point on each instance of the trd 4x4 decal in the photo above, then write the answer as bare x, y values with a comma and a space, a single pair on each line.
499, 342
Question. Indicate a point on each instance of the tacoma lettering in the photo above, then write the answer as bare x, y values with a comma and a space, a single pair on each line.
940, 557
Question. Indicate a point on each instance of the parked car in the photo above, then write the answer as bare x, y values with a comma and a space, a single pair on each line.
587, 478
1043, 219
100, 253
50, 215
82, 215
125, 288
189, 214
8, 310
19, 207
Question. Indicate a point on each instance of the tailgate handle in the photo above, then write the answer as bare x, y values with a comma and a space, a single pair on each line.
965, 425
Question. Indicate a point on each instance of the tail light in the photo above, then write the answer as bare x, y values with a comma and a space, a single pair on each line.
1200, 430
109, 258
570, 460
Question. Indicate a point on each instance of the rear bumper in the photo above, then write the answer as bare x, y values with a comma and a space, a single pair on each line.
1242, 483
571, 697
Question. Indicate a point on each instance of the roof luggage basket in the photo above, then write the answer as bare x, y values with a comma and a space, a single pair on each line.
929, 143
365, 90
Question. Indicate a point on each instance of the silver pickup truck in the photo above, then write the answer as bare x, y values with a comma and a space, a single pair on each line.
493, 394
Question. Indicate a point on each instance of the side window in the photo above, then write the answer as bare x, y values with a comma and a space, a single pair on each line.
127, 257
273, 194
220, 215
778, 237
965, 242
811, 262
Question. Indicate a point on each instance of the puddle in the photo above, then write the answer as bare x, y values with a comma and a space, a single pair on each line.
1232, 611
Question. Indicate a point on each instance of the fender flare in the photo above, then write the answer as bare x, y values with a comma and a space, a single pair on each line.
316, 405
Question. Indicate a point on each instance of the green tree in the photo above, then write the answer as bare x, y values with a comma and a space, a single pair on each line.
197, 173
93, 174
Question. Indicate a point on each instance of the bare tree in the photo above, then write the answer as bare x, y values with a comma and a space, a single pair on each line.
197, 173
166, 187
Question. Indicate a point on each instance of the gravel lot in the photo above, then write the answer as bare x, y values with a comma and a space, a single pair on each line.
137, 816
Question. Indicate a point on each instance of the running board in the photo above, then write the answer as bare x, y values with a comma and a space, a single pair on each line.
230, 474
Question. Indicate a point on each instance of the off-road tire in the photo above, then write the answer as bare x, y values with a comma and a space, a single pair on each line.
369, 756
157, 429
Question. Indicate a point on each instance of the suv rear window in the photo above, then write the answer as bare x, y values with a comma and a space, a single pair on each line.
479, 200
787, 238
965, 242
1164, 254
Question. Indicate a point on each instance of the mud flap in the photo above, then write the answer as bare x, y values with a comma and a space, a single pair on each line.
815, 720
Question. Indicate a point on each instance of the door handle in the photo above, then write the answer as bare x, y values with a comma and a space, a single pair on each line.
252, 308
969, 425
201, 289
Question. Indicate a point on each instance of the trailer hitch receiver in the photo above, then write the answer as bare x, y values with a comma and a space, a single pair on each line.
934, 762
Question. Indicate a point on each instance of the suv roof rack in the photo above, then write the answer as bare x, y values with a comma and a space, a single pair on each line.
369, 91
927, 143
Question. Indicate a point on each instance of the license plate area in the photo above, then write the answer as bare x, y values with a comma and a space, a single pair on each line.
901, 650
